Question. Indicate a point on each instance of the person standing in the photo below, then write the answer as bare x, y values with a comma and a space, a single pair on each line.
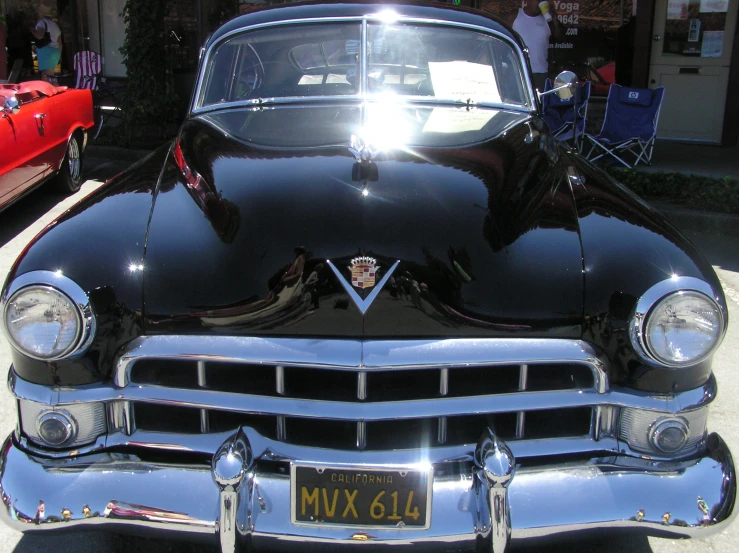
48, 43
536, 22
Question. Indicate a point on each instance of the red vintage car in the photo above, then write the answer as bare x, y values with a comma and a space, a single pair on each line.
43, 132
601, 78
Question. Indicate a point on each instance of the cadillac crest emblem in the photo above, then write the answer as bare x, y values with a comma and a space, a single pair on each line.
363, 272
364, 276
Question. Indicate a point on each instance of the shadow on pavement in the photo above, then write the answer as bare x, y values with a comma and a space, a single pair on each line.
63, 543
100, 169
604, 544
19, 216
103, 542
30, 208
721, 251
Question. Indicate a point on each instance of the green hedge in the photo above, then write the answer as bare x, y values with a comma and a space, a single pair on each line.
692, 191
149, 98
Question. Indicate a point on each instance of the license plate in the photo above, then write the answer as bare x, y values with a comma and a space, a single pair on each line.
361, 497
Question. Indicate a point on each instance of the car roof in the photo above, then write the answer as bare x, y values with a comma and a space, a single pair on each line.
361, 8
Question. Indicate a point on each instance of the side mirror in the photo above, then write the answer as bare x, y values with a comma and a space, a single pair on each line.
565, 85
11, 106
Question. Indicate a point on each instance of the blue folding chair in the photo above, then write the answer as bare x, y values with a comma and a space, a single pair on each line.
559, 114
629, 125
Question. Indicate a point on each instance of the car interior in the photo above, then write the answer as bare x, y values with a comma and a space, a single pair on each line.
324, 60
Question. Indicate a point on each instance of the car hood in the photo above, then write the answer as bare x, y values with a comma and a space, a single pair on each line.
261, 213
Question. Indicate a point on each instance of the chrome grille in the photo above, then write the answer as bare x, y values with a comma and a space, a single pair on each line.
363, 395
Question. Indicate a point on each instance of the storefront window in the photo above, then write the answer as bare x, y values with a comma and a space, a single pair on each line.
695, 28
597, 41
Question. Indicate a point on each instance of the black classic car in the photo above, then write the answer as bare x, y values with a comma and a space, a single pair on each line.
364, 296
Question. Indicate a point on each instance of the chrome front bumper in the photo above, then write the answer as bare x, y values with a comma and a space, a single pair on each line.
241, 502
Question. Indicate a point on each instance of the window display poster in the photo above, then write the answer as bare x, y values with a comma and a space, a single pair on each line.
694, 32
677, 9
709, 6
713, 44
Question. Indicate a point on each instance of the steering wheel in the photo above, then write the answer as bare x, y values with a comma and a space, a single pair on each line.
247, 81
250, 77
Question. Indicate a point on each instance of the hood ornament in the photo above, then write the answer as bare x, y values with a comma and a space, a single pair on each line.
362, 151
363, 276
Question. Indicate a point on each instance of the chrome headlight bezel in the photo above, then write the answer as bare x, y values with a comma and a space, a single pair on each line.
59, 284
654, 297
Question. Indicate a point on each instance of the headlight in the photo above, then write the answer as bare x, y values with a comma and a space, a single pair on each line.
677, 328
47, 316
683, 328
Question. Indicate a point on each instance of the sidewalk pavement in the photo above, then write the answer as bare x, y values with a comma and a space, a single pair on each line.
669, 157
695, 159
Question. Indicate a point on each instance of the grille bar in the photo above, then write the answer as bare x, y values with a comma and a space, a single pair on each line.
204, 423
361, 385
274, 450
280, 388
443, 391
353, 411
352, 355
361, 435
474, 378
521, 417
361, 396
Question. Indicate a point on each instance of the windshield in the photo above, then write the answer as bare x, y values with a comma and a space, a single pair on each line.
325, 59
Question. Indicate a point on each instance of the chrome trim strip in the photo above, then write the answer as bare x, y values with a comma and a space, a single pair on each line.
355, 355
470, 352
68, 287
169, 499
99, 444
657, 293
530, 107
266, 449
275, 450
22, 389
327, 354
354, 411
310, 101
375, 411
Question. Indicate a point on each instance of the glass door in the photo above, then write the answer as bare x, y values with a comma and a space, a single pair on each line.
691, 53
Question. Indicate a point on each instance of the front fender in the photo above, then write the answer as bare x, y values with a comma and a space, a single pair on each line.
627, 248
99, 244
